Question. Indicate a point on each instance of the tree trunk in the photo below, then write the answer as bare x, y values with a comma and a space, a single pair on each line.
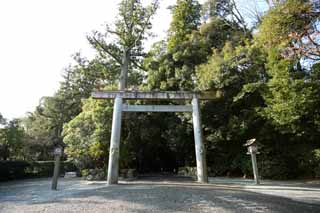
124, 70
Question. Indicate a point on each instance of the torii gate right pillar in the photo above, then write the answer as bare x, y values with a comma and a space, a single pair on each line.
202, 174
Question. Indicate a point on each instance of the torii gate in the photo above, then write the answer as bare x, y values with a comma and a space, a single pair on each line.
119, 107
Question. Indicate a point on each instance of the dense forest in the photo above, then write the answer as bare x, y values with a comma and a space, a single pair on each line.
267, 72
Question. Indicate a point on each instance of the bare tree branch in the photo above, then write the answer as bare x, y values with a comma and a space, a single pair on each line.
238, 16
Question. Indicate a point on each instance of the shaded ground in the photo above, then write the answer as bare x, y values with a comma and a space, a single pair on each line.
159, 195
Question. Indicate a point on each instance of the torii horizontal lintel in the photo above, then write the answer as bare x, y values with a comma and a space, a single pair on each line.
155, 95
156, 108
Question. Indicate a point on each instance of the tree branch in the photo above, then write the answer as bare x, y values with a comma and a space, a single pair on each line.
113, 32
154, 7
106, 50
138, 65
239, 16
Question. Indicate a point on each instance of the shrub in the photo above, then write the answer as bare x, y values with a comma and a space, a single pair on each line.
45, 168
69, 166
94, 174
13, 170
41, 168
316, 163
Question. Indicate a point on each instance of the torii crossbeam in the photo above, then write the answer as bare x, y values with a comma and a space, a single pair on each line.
119, 107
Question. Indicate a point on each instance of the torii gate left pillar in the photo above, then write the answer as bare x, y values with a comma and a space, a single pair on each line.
114, 153
119, 107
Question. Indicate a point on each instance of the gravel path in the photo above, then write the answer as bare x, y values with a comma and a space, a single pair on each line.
159, 195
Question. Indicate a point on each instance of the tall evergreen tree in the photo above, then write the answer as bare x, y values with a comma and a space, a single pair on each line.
123, 42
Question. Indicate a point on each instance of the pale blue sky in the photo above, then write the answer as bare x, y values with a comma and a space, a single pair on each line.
38, 37
37, 40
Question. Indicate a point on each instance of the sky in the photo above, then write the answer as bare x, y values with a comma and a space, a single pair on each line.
38, 38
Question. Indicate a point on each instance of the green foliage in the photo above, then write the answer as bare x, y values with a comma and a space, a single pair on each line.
127, 35
38, 141
44, 126
87, 135
290, 17
11, 140
173, 69
316, 161
225, 9
94, 174
185, 20
264, 96
267, 90
45, 168
189, 44
11, 170
292, 26
41, 168
232, 119
219, 30
232, 66
2, 120
149, 142
287, 99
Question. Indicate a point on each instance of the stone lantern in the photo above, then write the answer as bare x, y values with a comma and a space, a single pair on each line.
253, 151
57, 152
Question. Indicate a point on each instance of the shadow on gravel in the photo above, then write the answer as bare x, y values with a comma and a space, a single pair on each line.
178, 194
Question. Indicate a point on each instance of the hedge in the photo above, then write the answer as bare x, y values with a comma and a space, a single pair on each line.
11, 170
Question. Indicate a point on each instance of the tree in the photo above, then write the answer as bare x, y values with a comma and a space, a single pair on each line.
130, 29
232, 119
2, 120
273, 3
185, 20
293, 26
184, 49
190, 43
38, 143
291, 97
225, 9
267, 92
11, 140
86, 136
121, 46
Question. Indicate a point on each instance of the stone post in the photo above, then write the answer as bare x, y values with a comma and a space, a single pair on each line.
255, 168
253, 151
56, 171
198, 139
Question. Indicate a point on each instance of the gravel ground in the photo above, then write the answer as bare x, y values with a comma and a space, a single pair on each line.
163, 194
